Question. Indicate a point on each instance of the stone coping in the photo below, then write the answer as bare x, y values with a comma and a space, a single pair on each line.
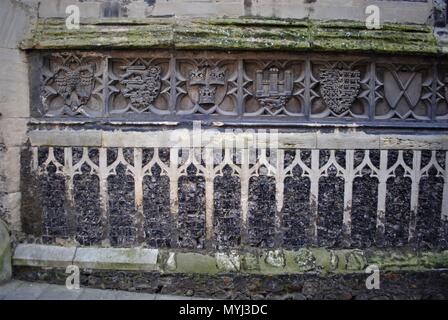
257, 261
242, 138
233, 34
89, 258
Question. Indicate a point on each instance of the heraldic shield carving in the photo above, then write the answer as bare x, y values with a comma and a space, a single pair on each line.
73, 81
141, 85
339, 87
203, 84
273, 89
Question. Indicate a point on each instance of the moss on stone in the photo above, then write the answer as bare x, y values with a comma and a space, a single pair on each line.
233, 34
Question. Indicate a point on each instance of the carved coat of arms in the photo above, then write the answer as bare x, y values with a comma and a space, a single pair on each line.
402, 89
74, 82
141, 85
339, 88
203, 84
273, 90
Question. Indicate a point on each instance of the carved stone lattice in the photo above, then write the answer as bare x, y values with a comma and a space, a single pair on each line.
398, 207
157, 84
339, 88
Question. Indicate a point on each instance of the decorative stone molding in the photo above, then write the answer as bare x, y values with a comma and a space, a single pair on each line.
287, 88
284, 197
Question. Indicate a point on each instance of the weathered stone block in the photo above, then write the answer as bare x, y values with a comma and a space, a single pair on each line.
228, 261
5, 253
196, 263
116, 258
43, 255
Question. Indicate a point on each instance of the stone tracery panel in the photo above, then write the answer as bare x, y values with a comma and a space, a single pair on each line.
378, 197
290, 86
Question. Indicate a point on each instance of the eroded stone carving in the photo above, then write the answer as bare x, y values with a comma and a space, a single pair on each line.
273, 89
208, 78
142, 86
339, 87
91, 85
73, 81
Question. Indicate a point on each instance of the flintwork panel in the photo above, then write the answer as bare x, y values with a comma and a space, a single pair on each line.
301, 87
162, 197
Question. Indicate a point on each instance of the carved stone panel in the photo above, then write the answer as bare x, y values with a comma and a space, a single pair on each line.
404, 91
339, 89
139, 86
150, 86
72, 85
206, 86
274, 88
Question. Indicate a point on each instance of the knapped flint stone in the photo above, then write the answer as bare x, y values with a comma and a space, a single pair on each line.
262, 211
5, 253
191, 216
330, 211
364, 211
156, 209
227, 210
87, 204
429, 212
398, 199
296, 222
53, 201
122, 209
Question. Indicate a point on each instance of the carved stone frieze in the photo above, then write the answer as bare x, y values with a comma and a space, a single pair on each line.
287, 87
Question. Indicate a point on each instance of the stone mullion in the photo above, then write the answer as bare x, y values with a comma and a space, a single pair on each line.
279, 195
415, 190
348, 196
174, 200
69, 204
245, 176
383, 175
314, 176
445, 191
103, 172
138, 189
209, 196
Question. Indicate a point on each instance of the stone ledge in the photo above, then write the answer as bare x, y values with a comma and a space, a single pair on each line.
215, 139
233, 34
43, 255
87, 258
119, 258
246, 261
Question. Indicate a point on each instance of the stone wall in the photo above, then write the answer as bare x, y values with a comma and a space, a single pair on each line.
98, 146
417, 11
